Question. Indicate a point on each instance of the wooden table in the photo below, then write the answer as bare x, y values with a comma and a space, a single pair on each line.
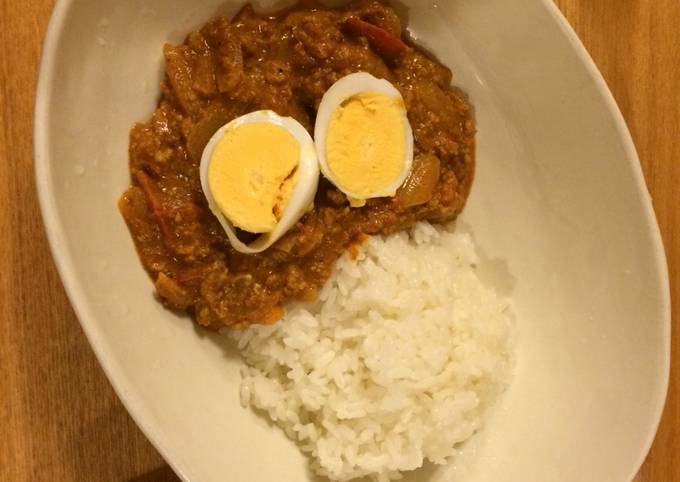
59, 418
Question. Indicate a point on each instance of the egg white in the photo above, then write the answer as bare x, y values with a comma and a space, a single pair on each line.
302, 197
339, 92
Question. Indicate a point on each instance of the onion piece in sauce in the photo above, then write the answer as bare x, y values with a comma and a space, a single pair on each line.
419, 185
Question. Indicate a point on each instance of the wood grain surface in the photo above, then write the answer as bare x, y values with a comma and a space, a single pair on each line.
59, 417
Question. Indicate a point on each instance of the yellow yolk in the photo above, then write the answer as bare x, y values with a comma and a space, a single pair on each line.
252, 173
365, 144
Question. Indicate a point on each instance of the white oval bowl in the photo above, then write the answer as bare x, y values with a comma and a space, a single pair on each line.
559, 202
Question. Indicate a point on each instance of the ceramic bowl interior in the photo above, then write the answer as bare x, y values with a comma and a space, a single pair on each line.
559, 209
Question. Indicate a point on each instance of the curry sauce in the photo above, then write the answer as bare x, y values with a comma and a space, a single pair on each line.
284, 63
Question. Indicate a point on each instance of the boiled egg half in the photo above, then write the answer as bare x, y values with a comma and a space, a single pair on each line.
364, 141
259, 173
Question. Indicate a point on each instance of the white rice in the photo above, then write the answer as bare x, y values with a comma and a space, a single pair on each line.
394, 364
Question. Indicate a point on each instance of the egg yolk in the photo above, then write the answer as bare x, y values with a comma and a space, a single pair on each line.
365, 144
252, 174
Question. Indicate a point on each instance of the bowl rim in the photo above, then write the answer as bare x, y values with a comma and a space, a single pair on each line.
56, 236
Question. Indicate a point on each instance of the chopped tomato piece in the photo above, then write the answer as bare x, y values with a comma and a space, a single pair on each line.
381, 40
